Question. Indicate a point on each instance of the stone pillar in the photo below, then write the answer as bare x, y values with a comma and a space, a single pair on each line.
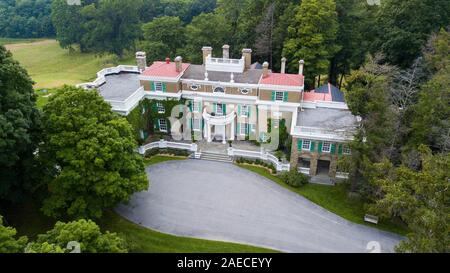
247, 55
224, 136
313, 164
226, 51
232, 130
265, 70
207, 50
209, 133
294, 154
141, 60
283, 65
301, 64
333, 166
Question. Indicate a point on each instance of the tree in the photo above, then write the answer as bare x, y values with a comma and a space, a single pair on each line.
312, 38
264, 32
89, 153
113, 25
8, 244
204, 31
84, 232
421, 198
163, 37
19, 127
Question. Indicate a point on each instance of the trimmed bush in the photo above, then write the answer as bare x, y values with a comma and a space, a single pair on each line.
294, 178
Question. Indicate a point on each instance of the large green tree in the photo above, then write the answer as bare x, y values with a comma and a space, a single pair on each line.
8, 242
421, 198
89, 152
19, 127
86, 233
312, 38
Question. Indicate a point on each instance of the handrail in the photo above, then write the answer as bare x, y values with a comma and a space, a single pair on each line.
280, 166
192, 147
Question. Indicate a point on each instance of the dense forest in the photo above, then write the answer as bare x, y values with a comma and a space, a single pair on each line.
391, 60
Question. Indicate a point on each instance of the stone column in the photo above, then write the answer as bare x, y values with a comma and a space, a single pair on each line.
209, 133
333, 166
313, 165
232, 130
294, 154
224, 136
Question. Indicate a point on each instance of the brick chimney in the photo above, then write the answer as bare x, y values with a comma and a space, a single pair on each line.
167, 60
300, 67
179, 64
207, 50
265, 69
141, 60
283, 65
226, 51
247, 55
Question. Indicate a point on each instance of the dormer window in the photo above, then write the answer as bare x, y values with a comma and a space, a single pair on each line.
245, 91
195, 87
219, 89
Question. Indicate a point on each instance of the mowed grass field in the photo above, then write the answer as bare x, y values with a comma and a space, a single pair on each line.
51, 66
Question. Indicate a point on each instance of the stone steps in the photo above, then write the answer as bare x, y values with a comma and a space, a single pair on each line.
216, 157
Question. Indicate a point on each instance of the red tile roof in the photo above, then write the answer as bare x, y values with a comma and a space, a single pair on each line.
313, 96
163, 69
282, 79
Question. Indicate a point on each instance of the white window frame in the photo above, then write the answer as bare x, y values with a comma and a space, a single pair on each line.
277, 97
346, 150
217, 87
160, 107
243, 126
159, 86
244, 113
162, 124
195, 87
195, 122
309, 145
245, 91
329, 147
219, 113
196, 106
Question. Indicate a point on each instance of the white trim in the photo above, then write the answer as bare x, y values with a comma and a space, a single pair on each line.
346, 147
199, 124
281, 87
160, 79
329, 147
277, 97
219, 97
160, 107
159, 125
161, 95
224, 84
309, 145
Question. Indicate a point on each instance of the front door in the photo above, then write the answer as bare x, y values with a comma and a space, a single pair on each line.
219, 131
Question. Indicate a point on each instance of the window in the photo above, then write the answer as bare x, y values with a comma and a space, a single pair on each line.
244, 110
195, 87
326, 147
196, 106
306, 145
160, 107
162, 125
219, 89
158, 86
279, 96
346, 149
196, 124
219, 109
243, 129
245, 91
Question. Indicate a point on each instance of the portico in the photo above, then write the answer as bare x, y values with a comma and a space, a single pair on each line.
216, 126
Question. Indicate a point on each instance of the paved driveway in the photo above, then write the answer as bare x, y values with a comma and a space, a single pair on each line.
220, 201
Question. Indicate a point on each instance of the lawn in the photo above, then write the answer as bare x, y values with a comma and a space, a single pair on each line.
334, 199
161, 158
51, 66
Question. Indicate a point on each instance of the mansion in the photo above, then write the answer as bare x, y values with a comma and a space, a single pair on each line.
229, 99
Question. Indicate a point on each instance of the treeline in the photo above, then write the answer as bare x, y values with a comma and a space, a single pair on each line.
26, 19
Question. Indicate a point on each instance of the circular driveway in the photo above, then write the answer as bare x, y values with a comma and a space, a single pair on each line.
220, 201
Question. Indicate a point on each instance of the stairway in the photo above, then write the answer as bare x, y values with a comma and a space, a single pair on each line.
216, 157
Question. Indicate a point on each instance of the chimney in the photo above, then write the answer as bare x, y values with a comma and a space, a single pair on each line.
207, 50
226, 51
247, 55
141, 60
265, 69
179, 64
283, 65
300, 67
167, 60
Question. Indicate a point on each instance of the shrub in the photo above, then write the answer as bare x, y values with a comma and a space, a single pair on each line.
294, 178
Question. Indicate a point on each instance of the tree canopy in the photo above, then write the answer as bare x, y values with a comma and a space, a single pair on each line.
89, 153
8, 242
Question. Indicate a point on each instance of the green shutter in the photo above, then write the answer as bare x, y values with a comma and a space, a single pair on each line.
299, 144
190, 105
333, 148
164, 87
273, 95
313, 144
320, 147
285, 96
249, 110
239, 110
152, 86
156, 124
340, 149
224, 109
247, 129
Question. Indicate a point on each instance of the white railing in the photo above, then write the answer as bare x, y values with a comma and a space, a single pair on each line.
314, 132
262, 155
342, 175
101, 75
218, 120
192, 147
225, 65
303, 170
129, 103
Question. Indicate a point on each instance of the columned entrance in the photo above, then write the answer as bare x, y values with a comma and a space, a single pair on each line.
216, 127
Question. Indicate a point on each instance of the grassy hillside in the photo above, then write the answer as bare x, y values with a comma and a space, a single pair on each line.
51, 66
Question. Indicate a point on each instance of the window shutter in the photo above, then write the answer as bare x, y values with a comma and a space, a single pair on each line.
320, 147
333, 148
247, 129
340, 149
164, 87
299, 144
313, 144
273, 95
224, 109
285, 96
157, 124
239, 110
249, 110
152, 86
190, 105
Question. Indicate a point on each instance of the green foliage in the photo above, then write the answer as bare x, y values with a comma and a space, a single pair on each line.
84, 232
25, 19
421, 198
169, 151
312, 38
89, 154
8, 244
294, 179
19, 127
242, 160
